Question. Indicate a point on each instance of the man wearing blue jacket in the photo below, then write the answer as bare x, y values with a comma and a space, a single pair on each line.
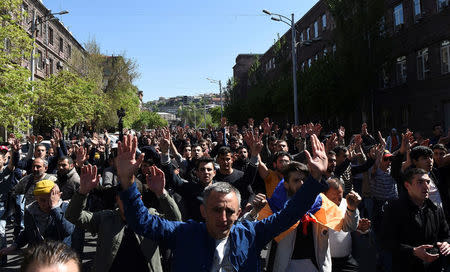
221, 243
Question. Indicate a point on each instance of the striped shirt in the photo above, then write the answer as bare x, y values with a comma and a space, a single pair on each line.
382, 185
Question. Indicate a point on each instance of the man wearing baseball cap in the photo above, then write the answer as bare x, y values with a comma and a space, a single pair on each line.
44, 218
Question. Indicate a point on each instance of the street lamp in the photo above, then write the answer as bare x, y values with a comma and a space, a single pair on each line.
290, 22
220, 91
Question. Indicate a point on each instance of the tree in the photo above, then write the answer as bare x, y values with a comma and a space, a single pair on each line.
148, 119
17, 96
68, 99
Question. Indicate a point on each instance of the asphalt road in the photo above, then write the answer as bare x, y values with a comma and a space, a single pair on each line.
15, 260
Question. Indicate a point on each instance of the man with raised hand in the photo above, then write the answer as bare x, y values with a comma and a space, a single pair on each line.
118, 247
221, 243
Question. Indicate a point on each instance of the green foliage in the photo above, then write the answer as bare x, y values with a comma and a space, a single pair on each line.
148, 119
69, 99
215, 114
16, 94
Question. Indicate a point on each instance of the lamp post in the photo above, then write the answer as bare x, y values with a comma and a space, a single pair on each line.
220, 92
34, 23
290, 22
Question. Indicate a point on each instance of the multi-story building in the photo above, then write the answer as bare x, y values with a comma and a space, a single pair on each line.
414, 93
55, 46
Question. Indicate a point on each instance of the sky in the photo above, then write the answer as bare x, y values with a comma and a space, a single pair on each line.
177, 44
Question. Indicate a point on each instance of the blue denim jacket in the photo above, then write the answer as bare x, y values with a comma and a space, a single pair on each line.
193, 248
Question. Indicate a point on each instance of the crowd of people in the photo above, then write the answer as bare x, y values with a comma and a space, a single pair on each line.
184, 199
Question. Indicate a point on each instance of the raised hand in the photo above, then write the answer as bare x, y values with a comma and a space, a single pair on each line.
317, 129
254, 141
55, 196
39, 139
267, 126
31, 139
88, 179
156, 180
353, 199
127, 164
15, 145
259, 202
57, 135
81, 155
341, 132
164, 143
364, 129
318, 162
331, 142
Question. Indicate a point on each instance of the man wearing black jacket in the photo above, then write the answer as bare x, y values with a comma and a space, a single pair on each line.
414, 229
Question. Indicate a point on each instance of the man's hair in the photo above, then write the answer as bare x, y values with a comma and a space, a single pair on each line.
281, 154
411, 172
340, 148
294, 167
440, 147
436, 125
38, 145
420, 151
203, 141
224, 150
331, 153
220, 187
233, 139
241, 147
335, 183
47, 253
69, 159
194, 146
204, 160
45, 162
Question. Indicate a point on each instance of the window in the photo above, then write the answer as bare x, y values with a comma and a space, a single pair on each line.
401, 69
316, 29
39, 60
316, 57
61, 44
69, 50
442, 4
423, 67
271, 64
334, 48
324, 22
309, 63
303, 66
50, 64
50, 35
398, 15
445, 57
301, 37
417, 8
40, 26
325, 52
308, 34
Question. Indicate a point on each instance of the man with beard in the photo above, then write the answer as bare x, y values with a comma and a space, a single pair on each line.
68, 179
241, 162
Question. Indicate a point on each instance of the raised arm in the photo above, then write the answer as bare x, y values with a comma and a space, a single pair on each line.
137, 215
76, 212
